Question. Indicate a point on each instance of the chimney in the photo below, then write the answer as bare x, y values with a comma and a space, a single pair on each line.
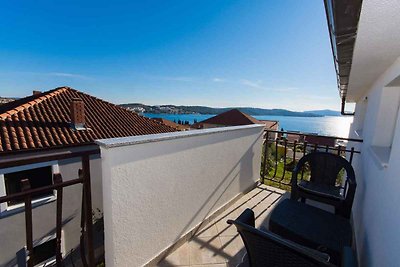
35, 92
78, 114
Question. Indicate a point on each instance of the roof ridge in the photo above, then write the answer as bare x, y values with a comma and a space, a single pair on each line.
114, 105
251, 118
22, 106
102, 100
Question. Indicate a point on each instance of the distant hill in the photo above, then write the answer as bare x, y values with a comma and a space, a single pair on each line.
324, 112
172, 109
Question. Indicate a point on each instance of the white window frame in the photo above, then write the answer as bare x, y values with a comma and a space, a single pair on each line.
6, 209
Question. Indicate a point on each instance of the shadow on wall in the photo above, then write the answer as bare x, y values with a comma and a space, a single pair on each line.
359, 214
245, 164
72, 257
20, 259
204, 157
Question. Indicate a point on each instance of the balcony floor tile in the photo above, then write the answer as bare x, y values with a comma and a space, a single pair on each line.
217, 244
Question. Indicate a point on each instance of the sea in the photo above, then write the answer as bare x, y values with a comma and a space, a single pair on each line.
329, 125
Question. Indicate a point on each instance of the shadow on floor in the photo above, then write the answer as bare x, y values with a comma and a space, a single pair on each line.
218, 244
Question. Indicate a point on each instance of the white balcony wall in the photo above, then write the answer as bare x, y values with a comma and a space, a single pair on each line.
156, 188
376, 210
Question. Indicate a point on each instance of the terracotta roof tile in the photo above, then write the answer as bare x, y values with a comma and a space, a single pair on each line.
43, 121
179, 127
271, 125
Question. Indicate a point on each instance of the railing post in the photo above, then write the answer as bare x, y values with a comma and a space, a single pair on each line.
88, 207
57, 178
83, 223
284, 161
276, 157
25, 186
304, 153
265, 157
351, 155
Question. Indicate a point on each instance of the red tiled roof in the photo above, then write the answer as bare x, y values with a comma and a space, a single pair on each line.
271, 125
231, 117
179, 127
43, 121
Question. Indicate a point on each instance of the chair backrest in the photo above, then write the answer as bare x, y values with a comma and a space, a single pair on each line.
325, 167
267, 249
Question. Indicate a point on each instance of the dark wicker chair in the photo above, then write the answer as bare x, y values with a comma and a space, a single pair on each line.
267, 249
325, 168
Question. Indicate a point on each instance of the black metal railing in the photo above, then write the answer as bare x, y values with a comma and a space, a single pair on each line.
282, 150
27, 193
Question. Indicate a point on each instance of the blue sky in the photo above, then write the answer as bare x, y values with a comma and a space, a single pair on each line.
271, 54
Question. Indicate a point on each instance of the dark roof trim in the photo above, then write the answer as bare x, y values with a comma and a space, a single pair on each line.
342, 19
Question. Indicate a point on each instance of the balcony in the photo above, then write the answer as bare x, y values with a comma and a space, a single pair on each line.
215, 243
167, 197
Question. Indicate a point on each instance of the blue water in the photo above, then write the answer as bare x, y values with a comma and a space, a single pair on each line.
336, 126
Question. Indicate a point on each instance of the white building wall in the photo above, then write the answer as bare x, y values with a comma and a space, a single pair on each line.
376, 210
157, 188
12, 227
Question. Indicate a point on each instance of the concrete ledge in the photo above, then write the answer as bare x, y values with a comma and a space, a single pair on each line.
133, 140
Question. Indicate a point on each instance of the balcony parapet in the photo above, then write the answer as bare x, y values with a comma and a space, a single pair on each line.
158, 188
141, 139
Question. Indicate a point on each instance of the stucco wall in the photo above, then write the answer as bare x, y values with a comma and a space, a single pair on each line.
376, 211
12, 227
157, 188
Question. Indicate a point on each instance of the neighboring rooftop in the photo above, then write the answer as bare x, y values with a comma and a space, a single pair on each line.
271, 125
177, 126
233, 117
43, 120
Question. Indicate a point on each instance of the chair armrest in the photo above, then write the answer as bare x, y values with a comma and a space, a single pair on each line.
295, 172
299, 166
263, 245
246, 217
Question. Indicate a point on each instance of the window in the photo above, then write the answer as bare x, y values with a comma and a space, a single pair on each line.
45, 251
361, 109
384, 114
39, 175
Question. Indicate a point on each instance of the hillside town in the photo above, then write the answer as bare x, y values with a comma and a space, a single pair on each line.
4, 100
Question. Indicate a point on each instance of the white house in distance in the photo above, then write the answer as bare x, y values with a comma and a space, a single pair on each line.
367, 59
59, 120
